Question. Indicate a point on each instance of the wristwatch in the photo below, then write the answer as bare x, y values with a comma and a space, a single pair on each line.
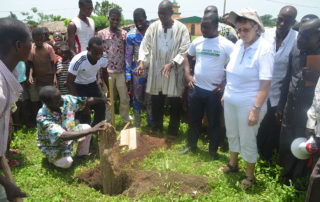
257, 108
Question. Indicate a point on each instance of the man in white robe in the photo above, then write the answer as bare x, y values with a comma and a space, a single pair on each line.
162, 50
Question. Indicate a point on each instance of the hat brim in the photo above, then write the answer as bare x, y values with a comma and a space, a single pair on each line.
296, 151
234, 15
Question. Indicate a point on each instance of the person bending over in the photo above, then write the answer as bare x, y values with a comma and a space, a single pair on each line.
58, 129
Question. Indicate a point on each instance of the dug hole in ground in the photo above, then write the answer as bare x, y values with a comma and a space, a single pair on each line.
122, 175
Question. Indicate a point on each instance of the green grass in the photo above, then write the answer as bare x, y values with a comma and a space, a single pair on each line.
44, 182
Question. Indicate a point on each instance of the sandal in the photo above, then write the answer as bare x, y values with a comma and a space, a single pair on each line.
229, 168
247, 182
14, 163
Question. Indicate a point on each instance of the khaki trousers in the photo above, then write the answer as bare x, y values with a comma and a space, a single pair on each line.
119, 87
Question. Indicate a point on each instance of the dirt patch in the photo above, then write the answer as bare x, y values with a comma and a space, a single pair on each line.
145, 145
136, 183
159, 182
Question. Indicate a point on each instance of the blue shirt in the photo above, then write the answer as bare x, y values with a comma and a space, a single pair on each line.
21, 68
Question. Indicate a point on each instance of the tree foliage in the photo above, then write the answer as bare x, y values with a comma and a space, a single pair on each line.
100, 22
12, 15
103, 8
268, 20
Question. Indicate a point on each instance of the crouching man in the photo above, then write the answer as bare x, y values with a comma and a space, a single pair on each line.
58, 129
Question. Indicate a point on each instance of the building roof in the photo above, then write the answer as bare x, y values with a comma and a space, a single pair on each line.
56, 26
193, 19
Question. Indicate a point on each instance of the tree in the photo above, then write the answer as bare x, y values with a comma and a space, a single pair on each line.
103, 8
100, 22
12, 15
268, 20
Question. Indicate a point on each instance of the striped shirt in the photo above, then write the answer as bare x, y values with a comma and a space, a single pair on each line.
62, 78
9, 93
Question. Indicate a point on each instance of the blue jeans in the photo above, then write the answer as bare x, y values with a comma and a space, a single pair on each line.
200, 101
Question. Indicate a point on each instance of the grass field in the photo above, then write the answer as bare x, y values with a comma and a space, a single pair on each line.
44, 182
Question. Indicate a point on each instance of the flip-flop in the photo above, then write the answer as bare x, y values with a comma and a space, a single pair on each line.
14, 151
14, 163
247, 182
229, 169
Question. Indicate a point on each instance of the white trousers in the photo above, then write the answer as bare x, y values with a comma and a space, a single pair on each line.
82, 149
241, 136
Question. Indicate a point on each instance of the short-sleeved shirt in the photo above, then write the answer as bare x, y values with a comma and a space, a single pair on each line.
212, 54
114, 46
51, 125
248, 66
84, 71
42, 59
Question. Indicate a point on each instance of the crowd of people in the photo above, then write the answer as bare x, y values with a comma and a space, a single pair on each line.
253, 84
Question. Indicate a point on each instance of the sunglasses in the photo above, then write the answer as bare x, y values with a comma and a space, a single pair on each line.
244, 30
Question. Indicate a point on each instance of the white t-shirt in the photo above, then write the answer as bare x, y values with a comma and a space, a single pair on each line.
247, 67
212, 55
84, 71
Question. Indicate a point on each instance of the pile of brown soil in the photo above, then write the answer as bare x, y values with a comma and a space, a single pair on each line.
159, 182
145, 145
137, 183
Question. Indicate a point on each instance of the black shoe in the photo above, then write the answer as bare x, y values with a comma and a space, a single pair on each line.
188, 149
214, 155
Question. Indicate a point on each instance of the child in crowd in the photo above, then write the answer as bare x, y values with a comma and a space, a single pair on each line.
46, 35
62, 69
57, 51
57, 36
42, 69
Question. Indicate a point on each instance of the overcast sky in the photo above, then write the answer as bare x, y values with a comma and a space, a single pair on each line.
69, 8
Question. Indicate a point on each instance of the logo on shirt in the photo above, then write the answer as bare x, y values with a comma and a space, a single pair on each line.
208, 52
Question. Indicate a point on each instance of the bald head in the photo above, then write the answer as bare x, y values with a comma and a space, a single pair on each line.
165, 4
309, 35
212, 9
285, 21
209, 25
289, 11
165, 12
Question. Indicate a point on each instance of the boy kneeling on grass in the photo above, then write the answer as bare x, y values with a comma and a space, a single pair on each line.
57, 127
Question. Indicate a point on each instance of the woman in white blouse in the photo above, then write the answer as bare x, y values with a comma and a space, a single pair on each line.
249, 75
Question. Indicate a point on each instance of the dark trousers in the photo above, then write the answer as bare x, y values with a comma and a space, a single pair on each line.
313, 193
91, 90
158, 102
199, 101
293, 168
268, 134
